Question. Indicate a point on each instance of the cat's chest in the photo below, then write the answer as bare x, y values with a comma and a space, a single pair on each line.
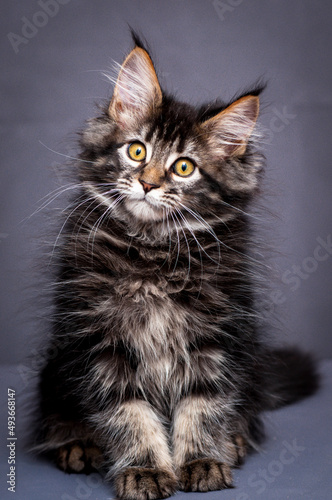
158, 317
156, 334
153, 324
149, 303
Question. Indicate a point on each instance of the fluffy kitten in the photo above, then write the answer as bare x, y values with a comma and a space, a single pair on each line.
160, 373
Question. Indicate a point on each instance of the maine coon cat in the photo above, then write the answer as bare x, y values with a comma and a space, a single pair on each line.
160, 372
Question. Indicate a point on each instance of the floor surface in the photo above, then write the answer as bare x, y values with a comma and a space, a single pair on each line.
295, 462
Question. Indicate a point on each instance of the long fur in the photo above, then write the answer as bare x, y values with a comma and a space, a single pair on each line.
159, 361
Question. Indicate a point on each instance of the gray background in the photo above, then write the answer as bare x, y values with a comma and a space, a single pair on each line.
204, 49
49, 87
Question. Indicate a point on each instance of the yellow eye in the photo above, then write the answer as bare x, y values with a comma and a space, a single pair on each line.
183, 167
136, 151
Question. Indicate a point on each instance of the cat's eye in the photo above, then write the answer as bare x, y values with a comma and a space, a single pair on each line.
136, 151
183, 167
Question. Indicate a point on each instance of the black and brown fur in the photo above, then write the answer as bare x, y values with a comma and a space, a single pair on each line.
160, 373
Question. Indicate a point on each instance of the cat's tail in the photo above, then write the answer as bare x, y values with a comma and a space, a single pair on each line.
288, 376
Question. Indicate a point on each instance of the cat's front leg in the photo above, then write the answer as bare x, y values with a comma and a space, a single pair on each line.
204, 451
136, 442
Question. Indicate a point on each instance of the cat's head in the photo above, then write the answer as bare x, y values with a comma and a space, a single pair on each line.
157, 161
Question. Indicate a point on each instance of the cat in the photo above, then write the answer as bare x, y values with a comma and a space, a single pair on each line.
159, 373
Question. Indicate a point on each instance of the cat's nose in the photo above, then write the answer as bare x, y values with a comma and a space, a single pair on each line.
147, 186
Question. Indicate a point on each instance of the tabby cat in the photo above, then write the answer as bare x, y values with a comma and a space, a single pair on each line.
159, 372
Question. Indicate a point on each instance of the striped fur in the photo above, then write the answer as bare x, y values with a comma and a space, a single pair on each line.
159, 364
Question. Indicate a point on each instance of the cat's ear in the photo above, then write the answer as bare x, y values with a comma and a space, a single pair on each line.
231, 129
137, 90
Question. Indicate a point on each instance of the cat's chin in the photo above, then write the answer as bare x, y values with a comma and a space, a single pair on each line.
144, 210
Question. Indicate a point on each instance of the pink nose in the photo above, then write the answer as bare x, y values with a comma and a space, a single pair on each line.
147, 187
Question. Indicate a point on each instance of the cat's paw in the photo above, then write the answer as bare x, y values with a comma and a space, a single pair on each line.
205, 474
241, 447
139, 483
78, 457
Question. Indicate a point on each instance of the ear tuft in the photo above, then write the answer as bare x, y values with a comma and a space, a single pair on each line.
137, 90
139, 40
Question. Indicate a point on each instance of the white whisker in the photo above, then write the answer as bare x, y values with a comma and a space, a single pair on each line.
187, 243
67, 156
97, 224
207, 227
178, 242
239, 210
212, 232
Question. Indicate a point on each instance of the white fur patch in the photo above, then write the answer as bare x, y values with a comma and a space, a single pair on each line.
142, 433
